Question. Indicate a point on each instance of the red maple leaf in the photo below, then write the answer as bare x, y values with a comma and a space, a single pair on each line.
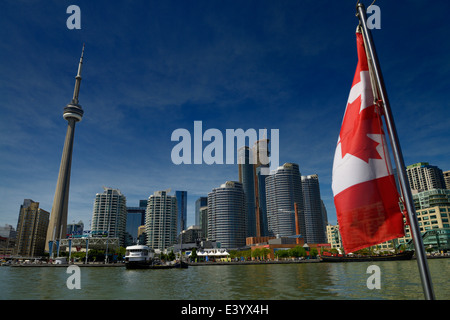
355, 129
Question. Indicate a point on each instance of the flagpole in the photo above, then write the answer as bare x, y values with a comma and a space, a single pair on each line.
414, 226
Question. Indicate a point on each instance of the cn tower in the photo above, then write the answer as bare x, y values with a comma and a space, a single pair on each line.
58, 218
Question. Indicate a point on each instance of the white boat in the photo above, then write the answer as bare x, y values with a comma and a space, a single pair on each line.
139, 257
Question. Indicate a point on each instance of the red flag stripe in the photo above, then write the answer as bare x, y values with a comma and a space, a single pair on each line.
365, 194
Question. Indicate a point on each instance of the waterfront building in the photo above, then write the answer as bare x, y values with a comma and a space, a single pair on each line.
227, 215
161, 220
334, 236
247, 179
75, 229
31, 229
253, 165
193, 234
7, 231
204, 220
7, 240
181, 210
141, 236
199, 203
135, 219
432, 209
313, 211
262, 168
58, 217
283, 193
109, 216
423, 176
446, 179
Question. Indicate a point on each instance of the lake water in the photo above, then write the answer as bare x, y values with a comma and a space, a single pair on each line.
303, 281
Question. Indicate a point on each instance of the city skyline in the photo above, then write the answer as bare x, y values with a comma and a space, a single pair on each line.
151, 68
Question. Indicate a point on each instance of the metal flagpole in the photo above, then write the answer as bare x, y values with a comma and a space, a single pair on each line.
414, 226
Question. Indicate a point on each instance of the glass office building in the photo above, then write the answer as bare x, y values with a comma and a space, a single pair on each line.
181, 210
315, 225
247, 178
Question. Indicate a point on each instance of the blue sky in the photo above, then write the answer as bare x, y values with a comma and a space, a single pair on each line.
152, 67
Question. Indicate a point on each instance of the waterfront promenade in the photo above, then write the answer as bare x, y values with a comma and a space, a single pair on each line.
193, 264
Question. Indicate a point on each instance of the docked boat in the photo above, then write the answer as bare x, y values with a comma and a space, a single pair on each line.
405, 255
143, 257
139, 257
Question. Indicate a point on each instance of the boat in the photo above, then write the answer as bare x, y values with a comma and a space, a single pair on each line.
139, 257
143, 257
405, 255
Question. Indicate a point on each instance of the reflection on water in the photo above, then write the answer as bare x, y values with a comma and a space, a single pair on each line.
306, 281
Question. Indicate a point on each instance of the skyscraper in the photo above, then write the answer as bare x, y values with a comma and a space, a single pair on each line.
227, 215
161, 220
199, 203
31, 229
262, 168
283, 190
247, 178
447, 178
181, 210
110, 215
423, 176
253, 164
58, 217
313, 214
135, 219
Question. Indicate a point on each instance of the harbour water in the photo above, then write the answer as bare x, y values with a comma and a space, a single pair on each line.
399, 280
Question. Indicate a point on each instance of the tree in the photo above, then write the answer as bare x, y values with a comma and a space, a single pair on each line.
256, 253
297, 252
171, 256
194, 254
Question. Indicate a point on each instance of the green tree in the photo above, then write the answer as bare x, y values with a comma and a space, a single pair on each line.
313, 252
194, 254
256, 253
171, 256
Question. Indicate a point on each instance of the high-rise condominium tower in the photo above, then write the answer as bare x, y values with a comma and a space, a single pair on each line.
161, 220
283, 191
227, 215
313, 210
423, 176
58, 217
31, 229
110, 215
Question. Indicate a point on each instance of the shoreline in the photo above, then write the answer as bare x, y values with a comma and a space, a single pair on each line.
191, 264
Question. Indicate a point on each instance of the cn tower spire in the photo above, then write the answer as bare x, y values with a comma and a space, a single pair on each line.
58, 218
76, 91
73, 110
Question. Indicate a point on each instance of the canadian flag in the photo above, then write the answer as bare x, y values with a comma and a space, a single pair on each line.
365, 193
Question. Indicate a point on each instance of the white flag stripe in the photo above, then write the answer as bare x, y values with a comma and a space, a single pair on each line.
350, 170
